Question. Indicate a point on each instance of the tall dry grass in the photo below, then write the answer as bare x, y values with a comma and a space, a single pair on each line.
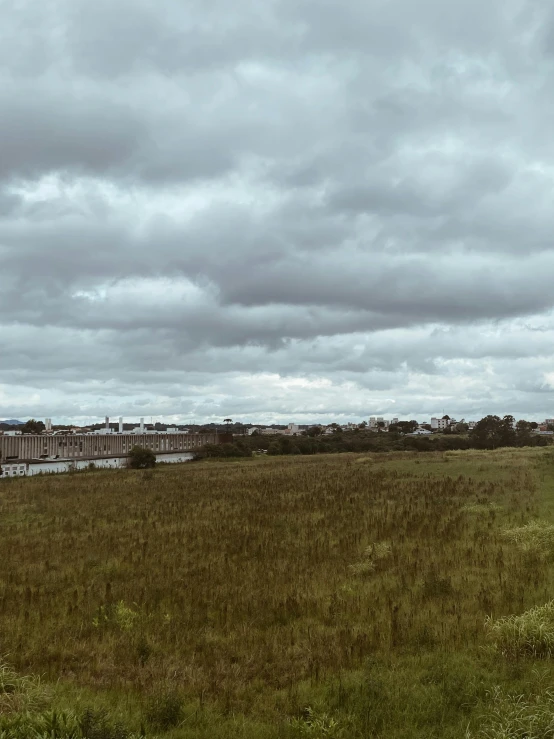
237, 582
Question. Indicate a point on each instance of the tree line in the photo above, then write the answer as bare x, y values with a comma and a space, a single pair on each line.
490, 432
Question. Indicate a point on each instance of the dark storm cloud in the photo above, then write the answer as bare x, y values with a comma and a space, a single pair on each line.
43, 131
294, 207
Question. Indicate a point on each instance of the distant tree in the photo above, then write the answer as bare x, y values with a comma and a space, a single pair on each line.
492, 432
141, 459
404, 427
285, 445
549, 427
522, 426
509, 437
523, 433
486, 434
314, 431
225, 450
363, 425
446, 418
33, 427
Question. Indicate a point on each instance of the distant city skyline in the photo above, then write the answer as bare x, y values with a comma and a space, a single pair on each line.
275, 420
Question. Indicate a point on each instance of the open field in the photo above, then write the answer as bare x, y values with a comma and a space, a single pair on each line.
230, 596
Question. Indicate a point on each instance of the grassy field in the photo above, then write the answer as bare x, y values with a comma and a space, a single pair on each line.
326, 596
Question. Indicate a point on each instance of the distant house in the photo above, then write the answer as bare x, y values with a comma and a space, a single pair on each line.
17, 469
378, 423
292, 429
439, 424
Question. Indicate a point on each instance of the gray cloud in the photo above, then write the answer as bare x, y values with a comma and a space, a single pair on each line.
297, 209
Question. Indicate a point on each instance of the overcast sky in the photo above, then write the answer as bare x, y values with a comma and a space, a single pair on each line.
276, 210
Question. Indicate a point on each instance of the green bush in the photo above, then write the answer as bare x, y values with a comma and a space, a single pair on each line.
141, 459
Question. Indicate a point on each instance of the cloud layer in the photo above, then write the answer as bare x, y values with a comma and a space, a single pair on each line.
296, 211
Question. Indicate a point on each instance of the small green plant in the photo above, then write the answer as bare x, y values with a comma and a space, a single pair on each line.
316, 725
50, 724
97, 725
124, 616
119, 615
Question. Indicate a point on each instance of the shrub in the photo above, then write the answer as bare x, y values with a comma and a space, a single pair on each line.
141, 459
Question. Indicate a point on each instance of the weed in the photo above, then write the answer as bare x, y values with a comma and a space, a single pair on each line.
536, 537
516, 717
530, 634
318, 726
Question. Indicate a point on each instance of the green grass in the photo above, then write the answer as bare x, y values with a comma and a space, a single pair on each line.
339, 595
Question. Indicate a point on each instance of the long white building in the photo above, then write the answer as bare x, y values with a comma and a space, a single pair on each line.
90, 446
